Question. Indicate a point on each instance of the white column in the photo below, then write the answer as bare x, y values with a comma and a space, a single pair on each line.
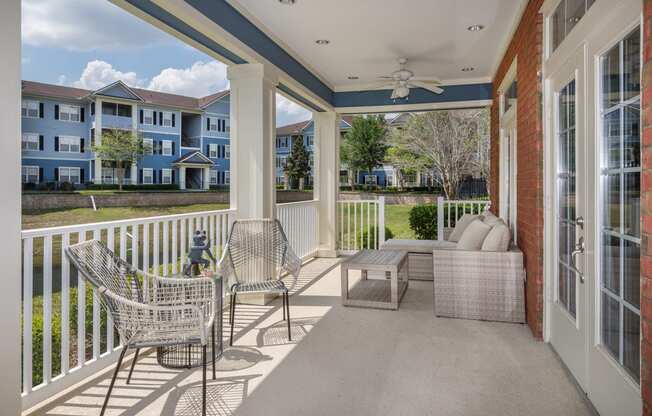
207, 179
98, 140
10, 251
182, 177
327, 178
253, 133
134, 174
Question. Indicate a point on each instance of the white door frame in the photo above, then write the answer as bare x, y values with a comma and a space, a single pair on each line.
605, 24
507, 172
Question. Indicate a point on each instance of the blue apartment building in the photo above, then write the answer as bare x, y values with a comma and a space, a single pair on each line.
187, 138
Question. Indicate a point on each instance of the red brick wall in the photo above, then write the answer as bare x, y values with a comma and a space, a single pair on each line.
646, 213
526, 45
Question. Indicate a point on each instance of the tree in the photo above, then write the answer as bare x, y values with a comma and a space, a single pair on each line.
345, 159
367, 142
404, 161
297, 166
448, 143
123, 147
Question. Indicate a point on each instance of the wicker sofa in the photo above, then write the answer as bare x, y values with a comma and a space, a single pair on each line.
469, 284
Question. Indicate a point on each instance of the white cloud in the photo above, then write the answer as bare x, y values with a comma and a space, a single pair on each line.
201, 79
61, 80
288, 112
98, 74
84, 25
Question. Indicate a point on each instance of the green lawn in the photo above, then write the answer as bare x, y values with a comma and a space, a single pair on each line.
397, 219
53, 218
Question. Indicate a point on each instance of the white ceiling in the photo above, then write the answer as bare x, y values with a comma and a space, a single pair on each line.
368, 36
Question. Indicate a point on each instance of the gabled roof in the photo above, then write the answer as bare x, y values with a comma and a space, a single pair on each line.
292, 129
196, 158
123, 86
147, 96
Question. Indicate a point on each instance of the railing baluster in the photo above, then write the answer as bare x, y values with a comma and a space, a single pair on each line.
175, 252
135, 229
47, 309
28, 293
155, 255
81, 313
110, 343
65, 305
184, 224
166, 248
96, 310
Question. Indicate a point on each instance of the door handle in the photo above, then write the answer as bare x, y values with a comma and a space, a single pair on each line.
579, 221
579, 249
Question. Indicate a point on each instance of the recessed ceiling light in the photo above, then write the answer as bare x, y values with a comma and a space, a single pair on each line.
353, 77
322, 41
468, 69
475, 28
287, 2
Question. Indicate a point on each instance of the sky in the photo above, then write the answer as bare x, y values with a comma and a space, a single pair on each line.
91, 43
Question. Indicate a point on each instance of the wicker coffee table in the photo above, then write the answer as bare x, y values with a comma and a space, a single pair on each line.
385, 292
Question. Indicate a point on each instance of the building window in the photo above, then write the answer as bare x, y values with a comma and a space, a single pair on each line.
69, 112
166, 176
281, 161
148, 117
148, 146
311, 160
124, 110
109, 109
370, 179
212, 150
69, 144
108, 175
148, 176
620, 218
30, 174
30, 141
212, 124
227, 151
227, 177
72, 175
167, 119
509, 97
167, 147
566, 16
213, 178
30, 108
310, 141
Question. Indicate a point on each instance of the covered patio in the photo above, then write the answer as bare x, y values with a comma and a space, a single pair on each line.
568, 84
351, 362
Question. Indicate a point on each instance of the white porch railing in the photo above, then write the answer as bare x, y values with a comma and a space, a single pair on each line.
70, 337
361, 224
449, 211
299, 221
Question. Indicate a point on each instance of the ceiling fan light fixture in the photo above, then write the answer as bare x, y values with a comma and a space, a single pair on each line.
287, 2
322, 42
475, 28
468, 69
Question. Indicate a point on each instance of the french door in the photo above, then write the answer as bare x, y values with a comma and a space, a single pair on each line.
595, 182
569, 323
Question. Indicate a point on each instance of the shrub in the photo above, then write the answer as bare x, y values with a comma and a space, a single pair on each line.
423, 221
29, 186
66, 187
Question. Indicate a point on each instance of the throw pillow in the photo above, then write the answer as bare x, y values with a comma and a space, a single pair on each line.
460, 226
498, 238
473, 236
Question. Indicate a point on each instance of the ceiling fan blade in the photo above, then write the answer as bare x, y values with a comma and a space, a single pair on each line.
433, 80
426, 86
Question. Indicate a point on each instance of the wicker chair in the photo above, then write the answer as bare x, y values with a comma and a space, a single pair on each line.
256, 255
148, 311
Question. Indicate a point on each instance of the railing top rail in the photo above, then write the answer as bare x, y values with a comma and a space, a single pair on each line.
297, 203
42, 232
375, 201
467, 201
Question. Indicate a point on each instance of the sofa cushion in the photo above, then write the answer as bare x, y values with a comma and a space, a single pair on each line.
417, 246
460, 226
473, 236
498, 238
490, 219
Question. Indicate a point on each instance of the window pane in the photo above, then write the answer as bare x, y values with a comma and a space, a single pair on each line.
611, 78
574, 11
631, 271
558, 26
611, 138
610, 267
611, 325
632, 139
631, 343
571, 292
632, 204
563, 292
632, 65
611, 206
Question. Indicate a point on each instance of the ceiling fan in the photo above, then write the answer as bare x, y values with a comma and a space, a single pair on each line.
403, 79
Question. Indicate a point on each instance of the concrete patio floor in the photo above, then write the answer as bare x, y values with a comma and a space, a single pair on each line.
350, 361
